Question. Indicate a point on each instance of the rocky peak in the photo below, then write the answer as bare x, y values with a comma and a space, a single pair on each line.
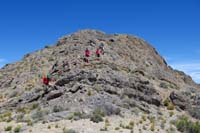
129, 74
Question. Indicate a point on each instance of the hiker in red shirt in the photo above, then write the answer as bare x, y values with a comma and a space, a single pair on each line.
87, 54
98, 52
45, 80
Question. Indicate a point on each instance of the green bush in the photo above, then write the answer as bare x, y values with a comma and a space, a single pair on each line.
168, 104
9, 128
34, 106
97, 115
117, 128
163, 85
6, 116
187, 126
17, 129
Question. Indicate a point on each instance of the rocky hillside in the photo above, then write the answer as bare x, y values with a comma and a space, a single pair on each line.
130, 77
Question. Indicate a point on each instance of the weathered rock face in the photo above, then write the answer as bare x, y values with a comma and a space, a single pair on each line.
179, 100
127, 75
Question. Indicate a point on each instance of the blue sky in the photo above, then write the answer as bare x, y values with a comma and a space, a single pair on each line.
171, 26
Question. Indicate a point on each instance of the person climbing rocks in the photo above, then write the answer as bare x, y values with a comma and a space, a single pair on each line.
102, 48
87, 55
98, 52
46, 79
49, 77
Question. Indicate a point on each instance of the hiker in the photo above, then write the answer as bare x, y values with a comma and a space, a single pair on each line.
46, 79
102, 47
49, 77
98, 52
87, 55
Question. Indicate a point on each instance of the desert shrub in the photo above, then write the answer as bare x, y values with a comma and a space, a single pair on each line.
38, 115
6, 116
171, 114
8, 128
130, 125
163, 123
97, 115
34, 106
49, 127
168, 104
29, 123
152, 127
163, 85
17, 129
78, 115
195, 112
107, 123
117, 128
75, 116
20, 117
144, 118
57, 108
89, 92
69, 131
187, 126
22, 110
51, 59
1, 96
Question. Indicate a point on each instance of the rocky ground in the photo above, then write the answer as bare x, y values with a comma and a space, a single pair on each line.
130, 83
136, 122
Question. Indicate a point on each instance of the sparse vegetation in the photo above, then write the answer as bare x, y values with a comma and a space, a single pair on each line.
57, 108
75, 116
144, 118
117, 128
97, 115
49, 127
171, 114
107, 123
168, 104
17, 129
183, 124
195, 112
163, 123
69, 131
34, 106
22, 110
39, 114
152, 126
89, 92
29, 123
152, 121
163, 85
6, 116
8, 128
